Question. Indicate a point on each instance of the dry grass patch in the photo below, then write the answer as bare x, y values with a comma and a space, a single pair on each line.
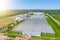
6, 21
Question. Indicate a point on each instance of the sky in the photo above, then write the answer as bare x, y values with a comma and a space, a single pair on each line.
34, 4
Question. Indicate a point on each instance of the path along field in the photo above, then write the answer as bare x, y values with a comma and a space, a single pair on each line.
56, 20
57, 17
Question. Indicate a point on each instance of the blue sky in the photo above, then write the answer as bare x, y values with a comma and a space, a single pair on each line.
35, 4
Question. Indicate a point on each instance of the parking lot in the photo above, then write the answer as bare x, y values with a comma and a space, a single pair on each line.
35, 25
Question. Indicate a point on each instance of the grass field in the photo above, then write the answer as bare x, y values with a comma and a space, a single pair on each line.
13, 34
55, 26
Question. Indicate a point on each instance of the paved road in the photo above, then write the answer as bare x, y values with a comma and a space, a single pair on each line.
54, 19
35, 25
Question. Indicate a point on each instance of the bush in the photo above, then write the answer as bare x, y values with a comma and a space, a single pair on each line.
13, 34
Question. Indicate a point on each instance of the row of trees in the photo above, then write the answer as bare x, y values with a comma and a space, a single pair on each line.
56, 12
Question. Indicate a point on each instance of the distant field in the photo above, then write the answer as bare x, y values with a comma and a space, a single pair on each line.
6, 21
11, 12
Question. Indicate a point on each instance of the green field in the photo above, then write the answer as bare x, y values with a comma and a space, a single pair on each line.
13, 34
55, 27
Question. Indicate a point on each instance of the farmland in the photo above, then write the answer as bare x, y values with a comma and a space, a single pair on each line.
6, 21
7, 13
36, 23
